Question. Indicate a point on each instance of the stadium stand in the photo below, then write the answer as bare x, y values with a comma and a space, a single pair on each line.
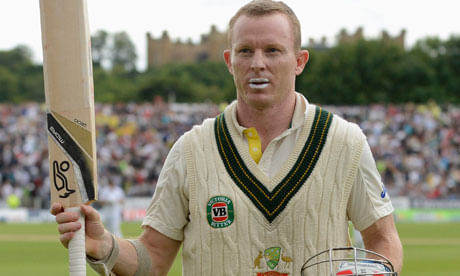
416, 147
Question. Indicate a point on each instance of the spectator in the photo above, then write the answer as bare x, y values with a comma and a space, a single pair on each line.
416, 147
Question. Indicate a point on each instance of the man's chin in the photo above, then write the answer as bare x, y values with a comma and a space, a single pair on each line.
260, 101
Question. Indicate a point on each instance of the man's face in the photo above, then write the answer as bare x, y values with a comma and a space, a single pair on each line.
263, 60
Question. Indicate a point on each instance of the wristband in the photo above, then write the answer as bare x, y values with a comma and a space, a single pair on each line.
104, 267
144, 262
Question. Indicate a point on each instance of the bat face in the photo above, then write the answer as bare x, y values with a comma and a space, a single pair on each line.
69, 97
72, 164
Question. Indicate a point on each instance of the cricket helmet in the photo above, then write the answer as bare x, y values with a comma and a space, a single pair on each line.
348, 261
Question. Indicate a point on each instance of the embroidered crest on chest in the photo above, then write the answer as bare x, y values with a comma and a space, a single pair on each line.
272, 262
272, 203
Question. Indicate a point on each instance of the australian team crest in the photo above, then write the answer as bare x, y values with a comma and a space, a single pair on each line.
272, 256
276, 264
220, 212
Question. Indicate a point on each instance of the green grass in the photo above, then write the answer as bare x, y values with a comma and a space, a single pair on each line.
430, 249
34, 249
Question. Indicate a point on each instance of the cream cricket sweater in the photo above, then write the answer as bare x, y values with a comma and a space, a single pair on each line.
239, 227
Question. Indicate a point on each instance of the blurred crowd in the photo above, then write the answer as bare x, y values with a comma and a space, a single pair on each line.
416, 147
132, 143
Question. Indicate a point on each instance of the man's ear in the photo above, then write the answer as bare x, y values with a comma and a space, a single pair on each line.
302, 59
228, 60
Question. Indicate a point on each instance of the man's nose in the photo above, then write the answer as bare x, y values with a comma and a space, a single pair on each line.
258, 61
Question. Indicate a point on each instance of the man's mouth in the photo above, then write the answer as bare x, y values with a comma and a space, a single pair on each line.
258, 83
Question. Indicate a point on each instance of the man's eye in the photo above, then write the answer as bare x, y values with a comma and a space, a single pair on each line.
272, 50
244, 51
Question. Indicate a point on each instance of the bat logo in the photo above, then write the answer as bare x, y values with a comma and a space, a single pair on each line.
73, 152
60, 180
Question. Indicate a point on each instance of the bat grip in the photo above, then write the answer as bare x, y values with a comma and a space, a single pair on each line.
77, 252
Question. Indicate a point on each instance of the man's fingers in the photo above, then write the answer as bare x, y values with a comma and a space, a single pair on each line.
62, 217
65, 217
56, 208
65, 238
90, 213
68, 227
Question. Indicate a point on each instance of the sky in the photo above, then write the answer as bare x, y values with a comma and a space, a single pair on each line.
189, 19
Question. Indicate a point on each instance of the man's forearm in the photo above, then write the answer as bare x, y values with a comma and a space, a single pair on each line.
151, 254
391, 249
115, 256
126, 264
382, 237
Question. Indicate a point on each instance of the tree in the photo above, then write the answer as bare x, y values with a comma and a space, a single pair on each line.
112, 51
443, 59
100, 48
8, 85
361, 72
206, 81
449, 72
20, 79
123, 52
16, 58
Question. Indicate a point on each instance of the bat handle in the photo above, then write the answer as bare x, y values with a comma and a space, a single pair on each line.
77, 252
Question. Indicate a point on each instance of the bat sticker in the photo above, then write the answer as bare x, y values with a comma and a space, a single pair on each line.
73, 151
60, 180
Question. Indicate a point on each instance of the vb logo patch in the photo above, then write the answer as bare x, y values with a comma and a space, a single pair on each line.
220, 212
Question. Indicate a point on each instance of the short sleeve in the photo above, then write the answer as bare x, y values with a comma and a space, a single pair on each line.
168, 211
369, 200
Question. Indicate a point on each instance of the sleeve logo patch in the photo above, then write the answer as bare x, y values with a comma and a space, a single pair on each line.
384, 192
220, 212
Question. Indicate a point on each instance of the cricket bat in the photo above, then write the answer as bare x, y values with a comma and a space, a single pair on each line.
69, 94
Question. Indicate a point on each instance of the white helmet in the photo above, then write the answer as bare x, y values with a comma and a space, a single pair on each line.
348, 261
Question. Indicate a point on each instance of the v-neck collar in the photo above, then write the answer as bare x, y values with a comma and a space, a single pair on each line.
297, 169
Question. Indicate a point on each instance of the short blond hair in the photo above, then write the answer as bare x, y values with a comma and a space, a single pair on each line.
267, 7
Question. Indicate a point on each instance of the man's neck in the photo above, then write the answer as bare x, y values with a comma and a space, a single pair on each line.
269, 122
